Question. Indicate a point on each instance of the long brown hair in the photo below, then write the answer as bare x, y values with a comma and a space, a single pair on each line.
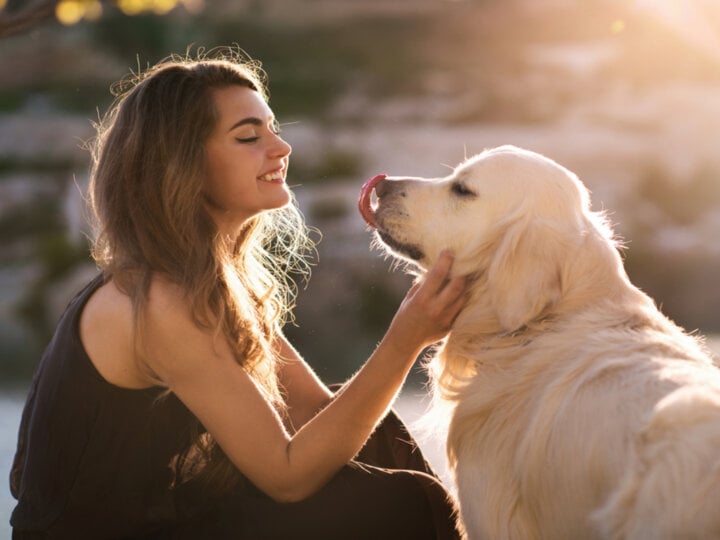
147, 198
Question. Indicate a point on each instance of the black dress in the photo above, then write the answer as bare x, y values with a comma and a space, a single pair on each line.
96, 461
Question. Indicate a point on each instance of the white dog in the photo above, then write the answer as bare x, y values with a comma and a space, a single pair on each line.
578, 411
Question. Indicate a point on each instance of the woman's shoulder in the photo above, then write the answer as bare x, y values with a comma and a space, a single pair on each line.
175, 341
107, 332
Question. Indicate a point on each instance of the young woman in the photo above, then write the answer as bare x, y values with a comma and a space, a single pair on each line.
169, 404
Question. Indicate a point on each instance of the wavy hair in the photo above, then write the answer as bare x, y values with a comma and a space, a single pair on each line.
150, 217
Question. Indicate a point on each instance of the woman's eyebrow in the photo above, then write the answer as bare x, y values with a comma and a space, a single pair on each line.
252, 120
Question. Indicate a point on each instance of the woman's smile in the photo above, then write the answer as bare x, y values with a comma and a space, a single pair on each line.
274, 177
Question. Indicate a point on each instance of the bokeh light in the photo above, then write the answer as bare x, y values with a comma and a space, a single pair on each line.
70, 12
135, 7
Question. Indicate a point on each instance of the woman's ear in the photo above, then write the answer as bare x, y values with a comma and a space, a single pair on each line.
525, 275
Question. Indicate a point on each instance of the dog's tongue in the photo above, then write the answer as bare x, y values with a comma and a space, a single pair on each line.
365, 203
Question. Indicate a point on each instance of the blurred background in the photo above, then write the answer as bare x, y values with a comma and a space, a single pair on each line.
624, 92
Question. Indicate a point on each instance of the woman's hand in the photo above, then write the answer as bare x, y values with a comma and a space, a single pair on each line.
429, 308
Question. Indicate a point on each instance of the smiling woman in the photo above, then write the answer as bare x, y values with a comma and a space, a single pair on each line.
247, 159
169, 404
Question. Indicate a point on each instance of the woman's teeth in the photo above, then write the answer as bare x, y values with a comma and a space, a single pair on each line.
272, 177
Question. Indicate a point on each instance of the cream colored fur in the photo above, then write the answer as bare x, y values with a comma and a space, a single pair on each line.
576, 409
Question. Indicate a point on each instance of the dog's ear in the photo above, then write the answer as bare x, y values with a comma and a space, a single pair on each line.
525, 275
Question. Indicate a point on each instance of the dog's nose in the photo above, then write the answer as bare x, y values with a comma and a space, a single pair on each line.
388, 186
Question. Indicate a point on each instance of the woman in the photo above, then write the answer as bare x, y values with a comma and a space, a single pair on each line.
169, 404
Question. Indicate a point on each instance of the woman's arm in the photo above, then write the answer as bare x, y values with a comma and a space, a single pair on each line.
198, 367
305, 394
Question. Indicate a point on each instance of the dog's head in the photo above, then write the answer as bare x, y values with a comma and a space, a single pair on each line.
513, 219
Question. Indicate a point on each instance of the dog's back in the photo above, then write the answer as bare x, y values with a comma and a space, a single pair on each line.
672, 490
612, 433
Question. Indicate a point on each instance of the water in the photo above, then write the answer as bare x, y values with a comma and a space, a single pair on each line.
11, 403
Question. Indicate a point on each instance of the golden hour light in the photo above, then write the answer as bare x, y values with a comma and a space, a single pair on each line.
198, 195
70, 12
131, 7
135, 7
161, 7
694, 20
93, 11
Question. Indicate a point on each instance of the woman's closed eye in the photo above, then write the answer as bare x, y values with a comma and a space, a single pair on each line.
273, 127
248, 140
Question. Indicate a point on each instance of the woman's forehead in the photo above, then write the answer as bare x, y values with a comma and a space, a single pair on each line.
239, 104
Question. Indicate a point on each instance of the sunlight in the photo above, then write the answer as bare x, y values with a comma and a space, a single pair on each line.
70, 12
617, 26
132, 7
161, 7
93, 11
691, 19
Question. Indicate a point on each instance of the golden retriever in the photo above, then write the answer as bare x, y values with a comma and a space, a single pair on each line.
576, 409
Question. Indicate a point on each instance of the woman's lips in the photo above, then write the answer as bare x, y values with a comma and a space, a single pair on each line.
365, 200
275, 177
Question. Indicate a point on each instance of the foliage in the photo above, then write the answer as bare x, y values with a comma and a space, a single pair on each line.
674, 278
334, 163
19, 16
328, 59
57, 255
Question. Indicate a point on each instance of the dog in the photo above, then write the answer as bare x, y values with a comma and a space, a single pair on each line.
575, 408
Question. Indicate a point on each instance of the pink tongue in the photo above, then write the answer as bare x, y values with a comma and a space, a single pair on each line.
364, 202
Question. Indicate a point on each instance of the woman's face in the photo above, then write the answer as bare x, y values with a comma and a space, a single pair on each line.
246, 159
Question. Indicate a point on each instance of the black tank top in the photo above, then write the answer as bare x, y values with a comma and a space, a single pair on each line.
94, 460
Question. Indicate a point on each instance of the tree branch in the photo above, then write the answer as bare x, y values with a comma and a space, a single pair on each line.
26, 18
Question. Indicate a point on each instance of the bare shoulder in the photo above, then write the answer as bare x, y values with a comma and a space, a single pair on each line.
106, 331
174, 344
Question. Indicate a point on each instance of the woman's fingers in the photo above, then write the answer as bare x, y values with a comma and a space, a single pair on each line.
453, 289
431, 305
441, 298
435, 279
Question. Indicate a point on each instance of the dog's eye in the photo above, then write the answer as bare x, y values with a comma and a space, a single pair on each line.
460, 189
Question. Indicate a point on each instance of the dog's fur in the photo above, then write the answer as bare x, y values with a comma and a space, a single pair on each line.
576, 409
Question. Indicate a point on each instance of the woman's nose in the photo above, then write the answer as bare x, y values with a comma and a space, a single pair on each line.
281, 147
